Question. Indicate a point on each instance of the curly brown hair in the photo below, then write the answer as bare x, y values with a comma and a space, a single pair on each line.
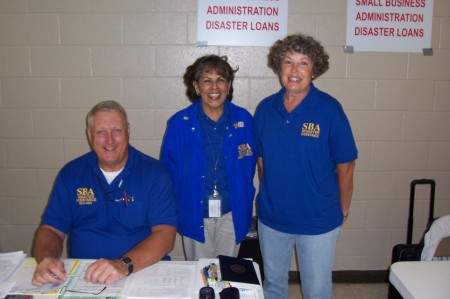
208, 63
298, 43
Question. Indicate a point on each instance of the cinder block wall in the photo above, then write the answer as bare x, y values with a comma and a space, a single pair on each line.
58, 58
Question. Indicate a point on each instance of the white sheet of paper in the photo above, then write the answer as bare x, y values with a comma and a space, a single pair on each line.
163, 280
79, 284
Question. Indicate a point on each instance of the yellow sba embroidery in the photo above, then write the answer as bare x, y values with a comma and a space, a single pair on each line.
244, 151
311, 130
85, 196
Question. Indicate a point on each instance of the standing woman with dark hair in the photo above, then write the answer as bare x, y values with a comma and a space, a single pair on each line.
306, 157
208, 149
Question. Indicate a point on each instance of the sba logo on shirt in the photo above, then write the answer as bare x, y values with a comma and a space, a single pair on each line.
311, 130
85, 196
244, 150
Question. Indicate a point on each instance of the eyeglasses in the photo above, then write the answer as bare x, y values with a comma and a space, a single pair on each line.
126, 198
64, 290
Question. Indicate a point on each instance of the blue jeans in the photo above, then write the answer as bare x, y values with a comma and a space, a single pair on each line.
315, 255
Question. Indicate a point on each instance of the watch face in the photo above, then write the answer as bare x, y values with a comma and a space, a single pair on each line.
126, 260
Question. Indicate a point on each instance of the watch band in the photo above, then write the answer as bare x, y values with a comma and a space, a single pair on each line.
127, 262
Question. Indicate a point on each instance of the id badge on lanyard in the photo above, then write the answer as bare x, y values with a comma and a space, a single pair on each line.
215, 200
215, 204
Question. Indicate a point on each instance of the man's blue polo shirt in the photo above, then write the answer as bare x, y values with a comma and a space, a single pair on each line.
299, 190
99, 223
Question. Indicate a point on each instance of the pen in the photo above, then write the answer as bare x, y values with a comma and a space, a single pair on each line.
205, 282
67, 275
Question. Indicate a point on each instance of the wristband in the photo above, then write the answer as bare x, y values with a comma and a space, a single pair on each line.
128, 263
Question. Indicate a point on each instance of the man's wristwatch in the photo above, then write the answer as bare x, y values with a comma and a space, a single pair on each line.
127, 262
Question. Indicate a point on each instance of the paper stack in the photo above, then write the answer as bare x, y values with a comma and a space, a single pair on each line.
9, 262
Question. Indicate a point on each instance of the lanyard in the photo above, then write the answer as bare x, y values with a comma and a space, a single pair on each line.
215, 159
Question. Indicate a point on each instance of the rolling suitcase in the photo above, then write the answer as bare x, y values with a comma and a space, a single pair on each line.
409, 251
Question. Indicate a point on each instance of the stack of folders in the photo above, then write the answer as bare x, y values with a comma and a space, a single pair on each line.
9, 262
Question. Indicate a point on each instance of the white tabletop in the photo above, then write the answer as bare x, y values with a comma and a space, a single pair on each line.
421, 280
165, 279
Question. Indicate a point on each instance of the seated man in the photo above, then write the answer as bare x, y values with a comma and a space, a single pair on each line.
115, 203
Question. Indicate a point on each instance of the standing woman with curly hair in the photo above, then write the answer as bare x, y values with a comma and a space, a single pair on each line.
306, 158
208, 149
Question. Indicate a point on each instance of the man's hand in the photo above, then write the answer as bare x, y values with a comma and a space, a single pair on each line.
106, 271
48, 246
49, 270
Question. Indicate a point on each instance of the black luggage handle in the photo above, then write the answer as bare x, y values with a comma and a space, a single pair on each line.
430, 182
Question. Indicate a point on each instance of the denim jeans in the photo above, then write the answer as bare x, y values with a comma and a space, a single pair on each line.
315, 255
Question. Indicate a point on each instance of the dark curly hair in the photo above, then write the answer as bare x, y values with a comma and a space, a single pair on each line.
298, 43
208, 63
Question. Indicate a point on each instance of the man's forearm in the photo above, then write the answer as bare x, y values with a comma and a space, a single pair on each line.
48, 243
153, 248
149, 251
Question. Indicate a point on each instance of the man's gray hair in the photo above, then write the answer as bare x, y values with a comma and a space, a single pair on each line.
111, 106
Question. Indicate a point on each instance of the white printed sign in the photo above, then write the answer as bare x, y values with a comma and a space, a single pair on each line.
241, 22
389, 25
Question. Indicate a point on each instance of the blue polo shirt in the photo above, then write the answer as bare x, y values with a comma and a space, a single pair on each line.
94, 214
299, 189
213, 134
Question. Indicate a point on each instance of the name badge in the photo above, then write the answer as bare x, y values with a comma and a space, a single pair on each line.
215, 206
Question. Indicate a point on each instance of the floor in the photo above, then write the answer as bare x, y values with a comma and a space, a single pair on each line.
349, 291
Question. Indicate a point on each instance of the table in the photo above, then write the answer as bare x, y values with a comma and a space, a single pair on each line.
422, 279
165, 279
